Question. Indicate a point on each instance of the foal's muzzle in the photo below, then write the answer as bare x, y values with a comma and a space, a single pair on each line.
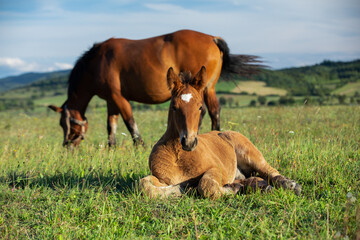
188, 145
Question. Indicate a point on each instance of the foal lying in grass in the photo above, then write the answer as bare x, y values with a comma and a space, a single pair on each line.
216, 163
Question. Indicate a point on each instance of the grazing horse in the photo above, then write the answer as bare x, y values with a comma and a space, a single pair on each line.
123, 70
216, 163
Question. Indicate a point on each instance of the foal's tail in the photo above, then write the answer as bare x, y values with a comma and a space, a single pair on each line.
245, 65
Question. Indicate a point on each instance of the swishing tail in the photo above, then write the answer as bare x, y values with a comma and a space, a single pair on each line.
245, 65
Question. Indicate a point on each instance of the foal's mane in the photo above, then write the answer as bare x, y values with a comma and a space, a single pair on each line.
80, 67
186, 79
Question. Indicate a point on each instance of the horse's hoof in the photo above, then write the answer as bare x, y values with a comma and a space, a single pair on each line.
138, 142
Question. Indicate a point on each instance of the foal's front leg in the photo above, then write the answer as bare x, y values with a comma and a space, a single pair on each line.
153, 188
211, 185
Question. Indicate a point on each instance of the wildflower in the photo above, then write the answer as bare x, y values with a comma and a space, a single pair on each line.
124, 134
291, 132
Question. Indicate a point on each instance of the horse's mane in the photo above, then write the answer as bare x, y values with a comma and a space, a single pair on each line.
80, 67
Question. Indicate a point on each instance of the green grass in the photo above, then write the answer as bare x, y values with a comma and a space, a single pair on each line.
47, 192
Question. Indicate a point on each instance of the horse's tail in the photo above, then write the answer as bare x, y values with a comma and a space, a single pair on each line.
245, 65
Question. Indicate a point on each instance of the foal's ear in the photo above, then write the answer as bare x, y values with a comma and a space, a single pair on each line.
172, 79
55, 108
199, 81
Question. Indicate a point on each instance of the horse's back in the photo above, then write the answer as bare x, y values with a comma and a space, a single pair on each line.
137, 68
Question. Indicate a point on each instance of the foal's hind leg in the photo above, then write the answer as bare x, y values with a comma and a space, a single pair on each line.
126, 112
153, 188
252, 184
250, 159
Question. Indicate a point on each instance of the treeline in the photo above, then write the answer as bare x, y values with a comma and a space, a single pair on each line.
316, 80
52, 84
15, 103
273, 100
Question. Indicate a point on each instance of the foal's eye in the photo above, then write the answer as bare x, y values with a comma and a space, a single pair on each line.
201, 107
173, 108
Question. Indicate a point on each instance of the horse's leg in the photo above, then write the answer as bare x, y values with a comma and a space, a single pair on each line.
202, 114
210, 185
214, 108
250, 159
125, 110
153, 188
113, 115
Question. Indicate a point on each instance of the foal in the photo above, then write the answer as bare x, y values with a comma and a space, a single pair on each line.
215, 162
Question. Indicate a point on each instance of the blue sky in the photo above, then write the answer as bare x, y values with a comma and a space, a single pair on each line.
47, 35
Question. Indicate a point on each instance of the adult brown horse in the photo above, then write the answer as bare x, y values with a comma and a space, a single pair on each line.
123, 70
212, 161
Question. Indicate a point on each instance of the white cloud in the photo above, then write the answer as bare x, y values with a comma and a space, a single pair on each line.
63, 66
261, 27
18, 65
11, 62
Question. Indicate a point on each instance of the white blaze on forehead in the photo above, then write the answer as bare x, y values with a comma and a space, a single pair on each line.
186, 97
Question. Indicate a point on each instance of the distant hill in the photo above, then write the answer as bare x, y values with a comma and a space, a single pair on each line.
317, 80
324, 79
12, 82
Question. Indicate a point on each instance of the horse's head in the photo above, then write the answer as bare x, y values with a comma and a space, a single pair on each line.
186, 105
74, 129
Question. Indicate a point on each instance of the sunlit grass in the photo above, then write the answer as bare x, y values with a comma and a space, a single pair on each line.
48, 192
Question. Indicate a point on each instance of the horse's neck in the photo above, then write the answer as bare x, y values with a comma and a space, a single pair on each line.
78, 103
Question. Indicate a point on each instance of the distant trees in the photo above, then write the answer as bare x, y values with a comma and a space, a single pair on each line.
317, 80
286, 100
261, 100
222, 101
26, 104
341, 99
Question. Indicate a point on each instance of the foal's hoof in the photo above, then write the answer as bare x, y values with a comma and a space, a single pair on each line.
287, 184
234, 187
292, 185
268, 189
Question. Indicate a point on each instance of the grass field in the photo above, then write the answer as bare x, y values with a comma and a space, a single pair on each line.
349, 89
258, 87
47, 192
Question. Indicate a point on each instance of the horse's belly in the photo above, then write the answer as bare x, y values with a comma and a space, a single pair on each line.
147, 88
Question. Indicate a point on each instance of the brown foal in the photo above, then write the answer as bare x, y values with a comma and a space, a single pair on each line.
216, 163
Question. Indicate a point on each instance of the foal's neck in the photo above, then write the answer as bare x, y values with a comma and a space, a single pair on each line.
171, 132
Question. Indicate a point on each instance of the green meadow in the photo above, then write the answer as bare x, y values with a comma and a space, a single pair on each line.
48, 192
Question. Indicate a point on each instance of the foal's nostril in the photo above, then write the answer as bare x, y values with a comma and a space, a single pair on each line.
195, 142
183, 141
